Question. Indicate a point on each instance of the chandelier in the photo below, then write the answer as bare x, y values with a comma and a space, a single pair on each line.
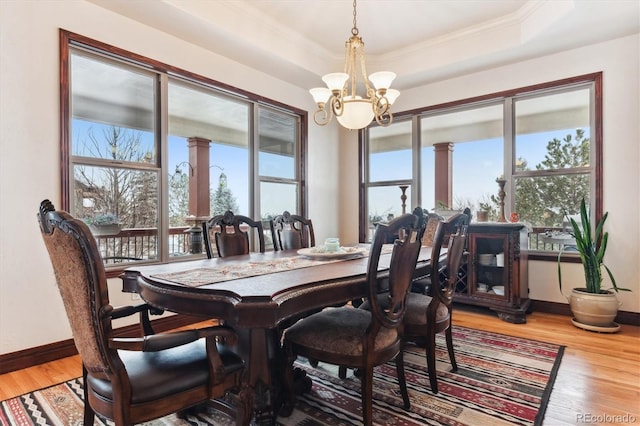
340, 97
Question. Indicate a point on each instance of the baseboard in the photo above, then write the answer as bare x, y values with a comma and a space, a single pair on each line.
624, 317
53, 351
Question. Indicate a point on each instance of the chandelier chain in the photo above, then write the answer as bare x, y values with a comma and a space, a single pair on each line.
354, 30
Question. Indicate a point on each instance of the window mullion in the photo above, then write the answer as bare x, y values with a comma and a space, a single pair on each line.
508, 132
162, 129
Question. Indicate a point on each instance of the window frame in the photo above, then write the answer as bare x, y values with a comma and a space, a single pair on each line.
506, 97
70, 42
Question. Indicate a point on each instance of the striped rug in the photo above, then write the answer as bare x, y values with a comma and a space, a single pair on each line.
501, 380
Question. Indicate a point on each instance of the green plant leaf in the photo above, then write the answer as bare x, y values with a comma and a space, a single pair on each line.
591, 248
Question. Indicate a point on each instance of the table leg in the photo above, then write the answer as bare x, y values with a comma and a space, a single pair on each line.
262, 353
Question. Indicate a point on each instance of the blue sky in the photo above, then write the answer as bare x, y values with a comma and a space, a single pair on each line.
476, 166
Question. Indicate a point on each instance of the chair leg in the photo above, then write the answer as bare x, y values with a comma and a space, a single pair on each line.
289, 398
431, 361
366, 388
89, 414
342, 372
402, 380
452, 356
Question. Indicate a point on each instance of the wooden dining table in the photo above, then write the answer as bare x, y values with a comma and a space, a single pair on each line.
258, 295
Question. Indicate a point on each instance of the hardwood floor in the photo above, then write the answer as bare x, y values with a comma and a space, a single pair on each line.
598, 381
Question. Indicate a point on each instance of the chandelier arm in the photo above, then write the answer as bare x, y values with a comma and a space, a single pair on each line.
385, 119
381, 111
337, 105
323, 119
381, 105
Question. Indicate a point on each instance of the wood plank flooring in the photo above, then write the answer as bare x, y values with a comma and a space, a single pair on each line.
598, 381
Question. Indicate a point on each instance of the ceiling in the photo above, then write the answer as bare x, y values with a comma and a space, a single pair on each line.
422, 41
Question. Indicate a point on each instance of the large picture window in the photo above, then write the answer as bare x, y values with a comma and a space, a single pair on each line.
150, 151
545, 141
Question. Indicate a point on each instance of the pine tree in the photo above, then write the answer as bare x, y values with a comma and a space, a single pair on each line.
541, 201
222, 199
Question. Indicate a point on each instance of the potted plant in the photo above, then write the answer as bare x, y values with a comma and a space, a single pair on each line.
104, 224
483, 212
592, 306
445, 211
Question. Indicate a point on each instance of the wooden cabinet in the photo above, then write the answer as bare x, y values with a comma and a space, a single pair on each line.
495, 273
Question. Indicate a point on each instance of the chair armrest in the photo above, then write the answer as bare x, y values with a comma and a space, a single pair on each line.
143, 309
158, 342
125, 311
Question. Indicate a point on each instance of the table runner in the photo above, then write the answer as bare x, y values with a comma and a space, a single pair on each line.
233, 271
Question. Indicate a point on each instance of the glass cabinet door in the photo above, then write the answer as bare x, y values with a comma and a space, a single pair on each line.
490, 277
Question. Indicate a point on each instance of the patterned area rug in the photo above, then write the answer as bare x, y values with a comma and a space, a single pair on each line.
501, 380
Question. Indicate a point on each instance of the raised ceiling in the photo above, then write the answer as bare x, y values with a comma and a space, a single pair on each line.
421, 40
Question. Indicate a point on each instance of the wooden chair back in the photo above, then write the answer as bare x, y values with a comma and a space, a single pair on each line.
408, 230
82, 283
293, 232
445, 284
229, 237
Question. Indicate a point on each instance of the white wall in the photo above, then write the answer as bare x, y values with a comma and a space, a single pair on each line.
619, 61
31, 312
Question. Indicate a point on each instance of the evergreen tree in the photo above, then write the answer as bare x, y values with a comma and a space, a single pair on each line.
178, 197
222, 199
542, 201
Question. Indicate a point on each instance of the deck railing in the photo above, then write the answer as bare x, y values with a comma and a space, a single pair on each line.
133, 244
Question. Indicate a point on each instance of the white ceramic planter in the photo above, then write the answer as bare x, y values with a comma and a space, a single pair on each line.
592, 309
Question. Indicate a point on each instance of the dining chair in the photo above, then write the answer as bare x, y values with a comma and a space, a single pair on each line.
431, 313
433, 220
293, 232
134, 379
226, 230
356, 338
451, 225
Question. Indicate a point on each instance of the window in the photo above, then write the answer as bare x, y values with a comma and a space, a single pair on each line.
476, 136
552, 152
152, 151
389, 172
544, 140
